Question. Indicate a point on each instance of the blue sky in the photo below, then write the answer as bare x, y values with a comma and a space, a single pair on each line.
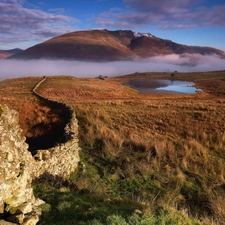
24, 23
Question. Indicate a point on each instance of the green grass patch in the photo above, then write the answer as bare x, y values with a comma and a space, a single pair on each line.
65, 207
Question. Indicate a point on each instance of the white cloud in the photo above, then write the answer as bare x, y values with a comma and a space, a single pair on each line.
173, 14
18, 23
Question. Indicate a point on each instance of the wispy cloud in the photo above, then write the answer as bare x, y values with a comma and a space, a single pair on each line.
169, 63
30, 23
174, 14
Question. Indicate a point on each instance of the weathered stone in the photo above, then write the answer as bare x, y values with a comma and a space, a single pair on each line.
18, 168
31, 220
9, 157
1, 209
3, 222
18, 219
38, 202
22, 209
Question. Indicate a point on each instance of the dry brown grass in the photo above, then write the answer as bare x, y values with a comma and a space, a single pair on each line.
168, 148
35, 116
177, 139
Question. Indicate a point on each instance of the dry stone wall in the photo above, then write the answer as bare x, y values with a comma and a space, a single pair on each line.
63, 158
18, 167
17, 202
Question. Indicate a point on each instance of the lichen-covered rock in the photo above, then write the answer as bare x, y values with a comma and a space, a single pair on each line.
3, 222
16, 194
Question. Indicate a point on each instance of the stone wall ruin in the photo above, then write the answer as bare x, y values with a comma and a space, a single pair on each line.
18, 167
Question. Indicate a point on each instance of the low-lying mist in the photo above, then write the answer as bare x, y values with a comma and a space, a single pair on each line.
185, 63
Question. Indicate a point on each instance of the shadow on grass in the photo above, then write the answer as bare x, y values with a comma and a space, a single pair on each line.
66, 205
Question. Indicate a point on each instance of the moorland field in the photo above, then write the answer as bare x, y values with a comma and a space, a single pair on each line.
145, 159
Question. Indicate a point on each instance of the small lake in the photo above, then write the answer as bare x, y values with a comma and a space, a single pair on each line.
163, 86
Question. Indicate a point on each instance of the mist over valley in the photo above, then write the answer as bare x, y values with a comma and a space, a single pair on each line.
186, 63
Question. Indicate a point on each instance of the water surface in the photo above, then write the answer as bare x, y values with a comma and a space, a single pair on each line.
163, 86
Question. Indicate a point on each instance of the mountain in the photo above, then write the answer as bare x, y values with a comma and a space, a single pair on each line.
6, 53
109, 45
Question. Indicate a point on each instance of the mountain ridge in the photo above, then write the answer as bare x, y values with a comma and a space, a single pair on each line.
105, 45
7, 53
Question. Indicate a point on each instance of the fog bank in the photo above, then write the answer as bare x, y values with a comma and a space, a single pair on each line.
185, 63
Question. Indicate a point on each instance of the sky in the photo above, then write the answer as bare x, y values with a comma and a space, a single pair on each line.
24, 23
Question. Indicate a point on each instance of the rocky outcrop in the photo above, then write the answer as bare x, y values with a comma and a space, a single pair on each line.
18, 167
17, 202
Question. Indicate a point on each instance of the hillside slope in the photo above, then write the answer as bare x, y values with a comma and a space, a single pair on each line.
107, 45
82, 45
6, 53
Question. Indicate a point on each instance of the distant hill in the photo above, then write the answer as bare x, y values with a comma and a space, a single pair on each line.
6, 53
109, 45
